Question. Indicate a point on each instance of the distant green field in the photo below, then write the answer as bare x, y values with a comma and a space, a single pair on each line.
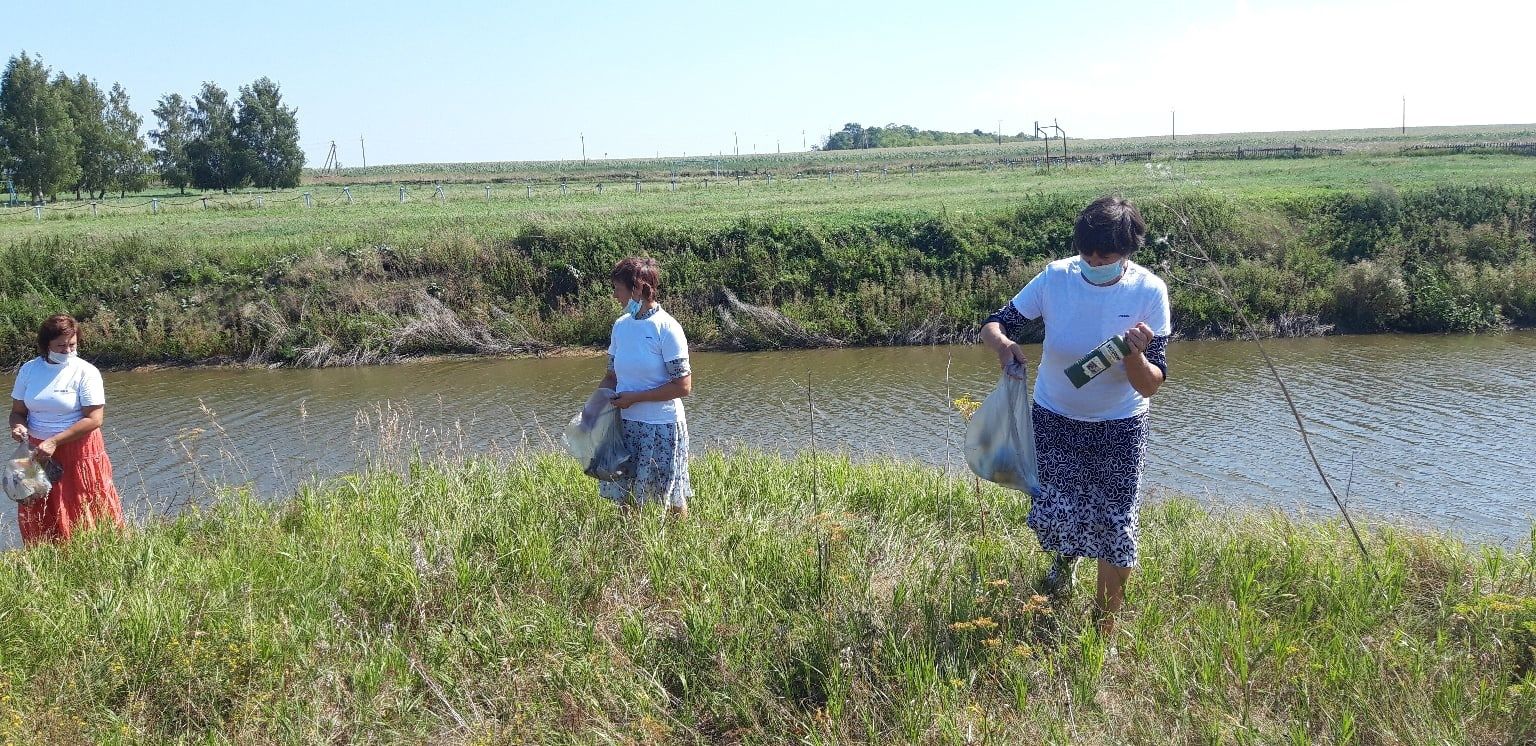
1378, 141
375, 209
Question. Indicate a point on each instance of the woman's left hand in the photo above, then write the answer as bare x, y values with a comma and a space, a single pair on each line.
626, 399
1139, 337
45, 450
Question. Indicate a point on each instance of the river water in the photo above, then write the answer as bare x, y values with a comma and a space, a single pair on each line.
1435, 432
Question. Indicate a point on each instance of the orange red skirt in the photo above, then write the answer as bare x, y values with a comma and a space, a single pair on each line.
82, 497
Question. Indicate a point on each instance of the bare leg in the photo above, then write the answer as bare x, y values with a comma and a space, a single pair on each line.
1111, 595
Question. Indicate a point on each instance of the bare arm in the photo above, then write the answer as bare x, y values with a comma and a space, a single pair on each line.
18, 420
677, 388
89, 423
1145, 377
998, 342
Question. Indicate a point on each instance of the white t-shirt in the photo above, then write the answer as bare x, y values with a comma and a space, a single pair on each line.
55, 394
1079, 317
647, 353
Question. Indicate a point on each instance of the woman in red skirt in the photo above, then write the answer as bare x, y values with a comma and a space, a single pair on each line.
58, 405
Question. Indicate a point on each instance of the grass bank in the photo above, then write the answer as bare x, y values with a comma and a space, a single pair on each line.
815, 602
1356, 243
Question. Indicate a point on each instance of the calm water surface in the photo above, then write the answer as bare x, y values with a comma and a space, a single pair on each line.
1432, 431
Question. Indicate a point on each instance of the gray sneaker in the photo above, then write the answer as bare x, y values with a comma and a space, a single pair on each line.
1063, 571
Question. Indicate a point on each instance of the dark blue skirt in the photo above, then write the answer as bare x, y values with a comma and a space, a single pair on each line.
1090, 485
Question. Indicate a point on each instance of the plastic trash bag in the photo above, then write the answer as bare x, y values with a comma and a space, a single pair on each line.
24, 478
1000, 441
596, 438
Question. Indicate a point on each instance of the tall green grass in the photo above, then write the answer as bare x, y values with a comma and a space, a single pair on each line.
811, 601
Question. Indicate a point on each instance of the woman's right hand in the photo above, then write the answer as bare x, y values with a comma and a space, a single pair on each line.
19, 433
1012, 359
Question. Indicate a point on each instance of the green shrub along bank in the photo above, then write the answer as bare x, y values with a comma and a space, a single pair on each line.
504, 602
1437, 259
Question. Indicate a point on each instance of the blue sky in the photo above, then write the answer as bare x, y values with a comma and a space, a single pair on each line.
475, 81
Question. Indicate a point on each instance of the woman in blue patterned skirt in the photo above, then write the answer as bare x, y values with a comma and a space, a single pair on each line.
648, 369
1091, 440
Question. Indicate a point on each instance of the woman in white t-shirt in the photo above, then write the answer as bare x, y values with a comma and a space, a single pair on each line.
649, 373
1090, 436
57, 406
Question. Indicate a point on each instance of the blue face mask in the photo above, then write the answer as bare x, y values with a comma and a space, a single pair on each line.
632, 307
1100, 275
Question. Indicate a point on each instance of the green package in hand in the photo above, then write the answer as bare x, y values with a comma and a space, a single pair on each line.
1088, 366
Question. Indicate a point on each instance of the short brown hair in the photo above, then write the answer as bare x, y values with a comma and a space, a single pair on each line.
1111, 225
57, 325
641, 274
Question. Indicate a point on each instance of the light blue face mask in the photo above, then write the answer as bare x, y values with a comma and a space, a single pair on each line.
60, 358
1100, 275
632, 307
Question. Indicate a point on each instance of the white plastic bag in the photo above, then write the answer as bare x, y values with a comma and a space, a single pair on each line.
1000, 441
596, 438
24, 478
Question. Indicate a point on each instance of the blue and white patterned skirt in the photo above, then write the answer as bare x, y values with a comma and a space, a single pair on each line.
1090, 480
660, 454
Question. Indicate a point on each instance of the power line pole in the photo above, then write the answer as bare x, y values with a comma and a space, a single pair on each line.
583, 148
1405, 115
1173, 124
364, 146
736, 149
999, 132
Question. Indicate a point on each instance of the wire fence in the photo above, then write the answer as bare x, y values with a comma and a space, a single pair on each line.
1519, 148
1293, 151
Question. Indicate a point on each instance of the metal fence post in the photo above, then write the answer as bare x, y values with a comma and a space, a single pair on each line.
346, 191
38, 210
487, 192
205, 203
307, 201
154, 208
402, 195
93, 209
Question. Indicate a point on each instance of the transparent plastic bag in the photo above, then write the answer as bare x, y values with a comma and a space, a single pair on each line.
1000, 440
24, 478
596, 438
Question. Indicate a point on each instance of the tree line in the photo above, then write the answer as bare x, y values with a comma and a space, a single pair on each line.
60, 134
855, 137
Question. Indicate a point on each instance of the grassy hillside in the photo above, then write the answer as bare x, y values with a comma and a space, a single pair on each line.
810, 601
1359, 242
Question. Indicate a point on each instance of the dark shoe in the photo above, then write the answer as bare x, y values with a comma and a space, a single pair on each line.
1063, 571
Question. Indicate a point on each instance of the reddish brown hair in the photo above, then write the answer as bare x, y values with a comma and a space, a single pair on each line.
640, 274
58, 325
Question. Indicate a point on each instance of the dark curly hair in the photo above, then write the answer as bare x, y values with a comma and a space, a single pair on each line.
1111, 225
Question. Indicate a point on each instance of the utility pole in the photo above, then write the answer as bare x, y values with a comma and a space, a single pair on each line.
364, 146
583, 148
1173, 124
736, 149
999, 132
1405, 114
802, 140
